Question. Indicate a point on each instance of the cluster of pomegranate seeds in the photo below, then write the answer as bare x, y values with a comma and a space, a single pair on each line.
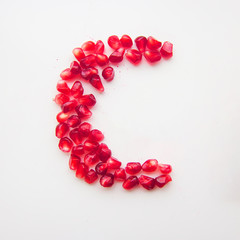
89, 156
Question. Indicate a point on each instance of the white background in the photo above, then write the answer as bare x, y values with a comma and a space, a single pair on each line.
184, 111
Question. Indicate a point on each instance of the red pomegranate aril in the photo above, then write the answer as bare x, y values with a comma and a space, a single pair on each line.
65, 144
162, 180
78, 150
88, 100
83, 111
73, 121
153, 44
114, 42
88, 73
104, 152
61, 99
152, 55
66, 74
126, 41
133, 167
167, 50
69, 106
91, 176
99, 48
108, 73
91, 159
82, 170
102, 59
113, 163
78, 53
62, 117
96, 135
101, 168
130, 182
91, 146
147, 182
97, 83
61, 130
133, 56
63, 87
117, 56
75, 68
76, 136
150, 165
141, 43
165, 168
107, 180
88, 61
84, 129
74, 162
120, 174
88, 46
77, 89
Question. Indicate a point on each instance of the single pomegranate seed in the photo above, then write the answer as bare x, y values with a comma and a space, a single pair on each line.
152, 55
150, 165
126, 41
153, 44
73, 121
120, 174
133, 56
63, 87
78, 150
74, 162
91, 146
96, 135
77, 89
62, 117
84, 129
76, 136
88, 61
88, 46
61, 130
91, 159
113, 163
117, 56
147, 182
78, 53
101, 59
133, 167
75, 68
91, 176
101, 168
108, 74
65, 144
130, 182
141, 43
66, 74
83, 111
167, 50
107, 180
88, 73
99, 48
114, 42
97, 83
162, 180
69, 106
88, 100
61, 98
104, 152
81, 170
165, 168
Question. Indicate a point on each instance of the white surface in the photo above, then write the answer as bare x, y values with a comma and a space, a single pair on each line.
184, 111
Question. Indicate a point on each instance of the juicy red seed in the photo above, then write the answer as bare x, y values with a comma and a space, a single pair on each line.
108, 74
167, 50
63, 87
88, 46
83, 111
61, 130
120, 174
66, 74
133, 168
113, 163
134, 56
78, 150
152, 55
150, 165
101, 59
153, 44
73, 121
77, 89
65, 144
162, 180
165, 168
68, 106
104, 152
74, 162
75, 68
126, 41
147, 182
97, 83
88, 100
88, 61
61, 99
91, 146
117, 56
88, 73
91, 176
78, 53
91, 159
62, 117
107, 180
81, 170
96, 135
141, 43
114, 42
130, 182
84, 129
101, 168
76, 136
99, 48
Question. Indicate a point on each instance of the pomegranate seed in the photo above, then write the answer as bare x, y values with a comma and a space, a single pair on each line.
73, 121
88, 100
88, 73
104, 152
147, 182
165, 168
113, 163
91, 146
88, 61
130, 182
133, 168
99, 48
66, 74
77, 89
108, 74
61, 130
76, 136
141, 43
101, 168
120, 174
69, 106
152, 55
78, 150
78, 53
63, 87
101, 59
74, 162
84, 129
97, 83
96, 135
162, 180
153, 44
88, 46
91, 159
62, 117
75, 68
65, 144
81, 170
114, 42
107, 180
91, 176
133, 56
61, 99
117, 56
150, 165
83, 111
126, 41
167, 50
